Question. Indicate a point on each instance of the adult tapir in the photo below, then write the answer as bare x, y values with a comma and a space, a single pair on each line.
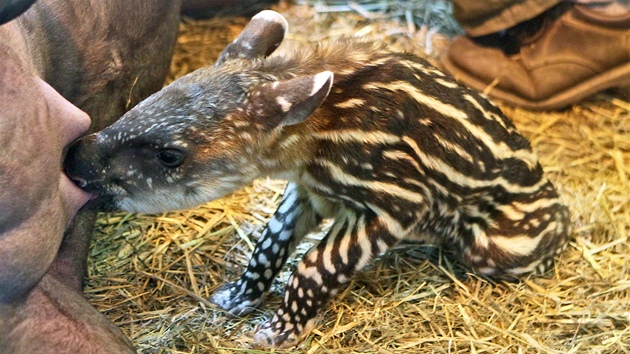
62, 62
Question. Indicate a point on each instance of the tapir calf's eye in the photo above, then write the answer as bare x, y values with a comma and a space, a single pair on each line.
170, 157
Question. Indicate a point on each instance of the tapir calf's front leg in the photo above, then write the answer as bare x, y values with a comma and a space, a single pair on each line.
294, 218
353, 241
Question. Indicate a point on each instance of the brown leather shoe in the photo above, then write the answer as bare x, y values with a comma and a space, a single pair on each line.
577, 55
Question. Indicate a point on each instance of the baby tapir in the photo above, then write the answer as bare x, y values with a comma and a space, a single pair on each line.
382, 142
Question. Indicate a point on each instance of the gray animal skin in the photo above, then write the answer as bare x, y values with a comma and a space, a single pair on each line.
62, 62
382, 142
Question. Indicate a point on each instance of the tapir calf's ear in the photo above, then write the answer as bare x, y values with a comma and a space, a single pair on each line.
262, 35
292, 101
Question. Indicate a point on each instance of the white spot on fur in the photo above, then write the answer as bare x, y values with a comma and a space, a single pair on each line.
262, 259
244, 44
285, 235
268, 274
283, 103
274, 225
351, 103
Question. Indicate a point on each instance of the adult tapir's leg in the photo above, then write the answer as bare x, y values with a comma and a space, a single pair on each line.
123, 55
70, 265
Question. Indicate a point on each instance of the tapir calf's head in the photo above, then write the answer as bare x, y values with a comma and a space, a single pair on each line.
199, 138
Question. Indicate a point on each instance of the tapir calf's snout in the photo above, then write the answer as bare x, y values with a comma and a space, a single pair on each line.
76, 165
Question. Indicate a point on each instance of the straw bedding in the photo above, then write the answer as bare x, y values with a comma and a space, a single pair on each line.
152, 274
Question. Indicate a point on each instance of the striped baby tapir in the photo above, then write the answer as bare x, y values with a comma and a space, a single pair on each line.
381, 142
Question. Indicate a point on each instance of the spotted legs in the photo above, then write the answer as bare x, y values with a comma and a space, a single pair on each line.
353, 241
294, 219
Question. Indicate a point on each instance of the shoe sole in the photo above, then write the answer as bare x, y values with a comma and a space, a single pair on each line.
618, 77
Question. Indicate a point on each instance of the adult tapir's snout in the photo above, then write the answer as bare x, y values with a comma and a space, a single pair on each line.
82, 164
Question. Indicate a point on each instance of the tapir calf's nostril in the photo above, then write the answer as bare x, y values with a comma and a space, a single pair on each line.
80, 182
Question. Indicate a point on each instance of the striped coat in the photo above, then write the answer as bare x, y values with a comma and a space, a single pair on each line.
382, 142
